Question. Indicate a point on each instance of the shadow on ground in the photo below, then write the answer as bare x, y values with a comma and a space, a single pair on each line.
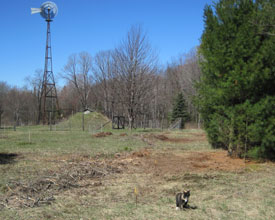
6, 158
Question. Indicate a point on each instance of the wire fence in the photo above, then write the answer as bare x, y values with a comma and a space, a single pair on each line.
79, 121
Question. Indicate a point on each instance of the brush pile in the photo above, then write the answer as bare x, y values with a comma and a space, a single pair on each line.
42, 190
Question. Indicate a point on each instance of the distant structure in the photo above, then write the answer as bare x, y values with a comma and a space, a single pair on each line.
118, 122
48, 107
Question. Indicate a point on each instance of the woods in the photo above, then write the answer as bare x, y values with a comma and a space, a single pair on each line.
125, 81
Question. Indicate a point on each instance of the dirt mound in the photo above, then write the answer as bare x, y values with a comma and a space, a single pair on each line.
198, 134
162, 137
123, 134
181, 140
141, 153
102, 134
92, 121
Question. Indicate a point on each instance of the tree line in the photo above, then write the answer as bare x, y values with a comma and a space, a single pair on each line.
125, 81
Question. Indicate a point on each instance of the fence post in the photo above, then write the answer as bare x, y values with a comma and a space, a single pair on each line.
29, 136
51, 121
83, 128
1, 112
15, 120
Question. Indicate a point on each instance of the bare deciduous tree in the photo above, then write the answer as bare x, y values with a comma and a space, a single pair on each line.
103, 66
182, 76
36, 82
134, 65
78, 72
4, 88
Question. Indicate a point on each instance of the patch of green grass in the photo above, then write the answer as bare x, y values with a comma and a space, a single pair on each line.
24, 143
253, 167
127, 148
60, 142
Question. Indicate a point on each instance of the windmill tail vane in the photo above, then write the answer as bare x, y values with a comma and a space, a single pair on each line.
35, 10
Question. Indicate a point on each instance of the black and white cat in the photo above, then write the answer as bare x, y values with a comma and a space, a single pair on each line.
182, 199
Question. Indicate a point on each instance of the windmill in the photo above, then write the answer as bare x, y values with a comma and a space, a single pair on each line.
49, 102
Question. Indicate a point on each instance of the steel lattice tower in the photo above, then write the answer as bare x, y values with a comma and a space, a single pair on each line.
49, 105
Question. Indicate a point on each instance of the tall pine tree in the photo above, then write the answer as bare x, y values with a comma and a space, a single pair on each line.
237, 93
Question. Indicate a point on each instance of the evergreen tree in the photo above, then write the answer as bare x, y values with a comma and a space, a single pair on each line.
237, 93
180, 110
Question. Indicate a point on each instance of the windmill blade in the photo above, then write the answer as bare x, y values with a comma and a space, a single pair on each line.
35, 10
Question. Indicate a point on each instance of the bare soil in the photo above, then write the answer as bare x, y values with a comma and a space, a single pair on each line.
169, 163
194, 137
102, 134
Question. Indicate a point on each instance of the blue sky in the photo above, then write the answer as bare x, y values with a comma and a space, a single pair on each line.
173, 27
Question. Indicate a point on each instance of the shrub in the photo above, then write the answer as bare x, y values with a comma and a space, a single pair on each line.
236, 92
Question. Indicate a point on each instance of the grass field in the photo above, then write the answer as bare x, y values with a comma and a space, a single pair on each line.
82, 175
